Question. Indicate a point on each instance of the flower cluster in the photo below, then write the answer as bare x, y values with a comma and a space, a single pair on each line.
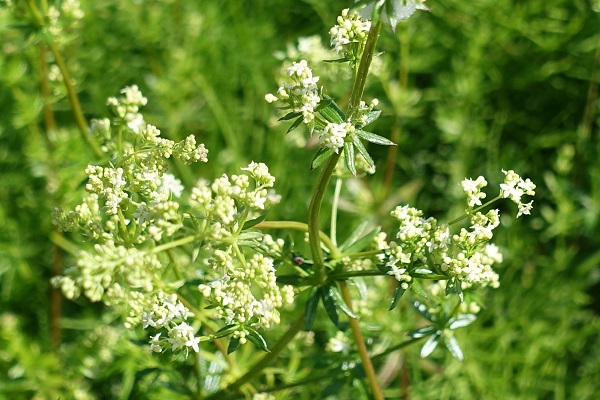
108, 264
227, 203
424, 247
334, 135
302, 95
168, 313
514, 187
349, 35
233, 292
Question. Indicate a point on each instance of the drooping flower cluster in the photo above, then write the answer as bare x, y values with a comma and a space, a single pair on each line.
302, 95
349, 35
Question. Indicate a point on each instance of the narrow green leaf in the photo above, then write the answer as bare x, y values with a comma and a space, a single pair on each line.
422, 332
329, 304
363, 151
339, 60
290, 115
295, 125
337, 296
233, 345
325, 102
257, 339
452, 345
293, 279
363, 242
332, 112
418, 289
430, 345
255, 221
396, 296
224, 330
371, 116
349, 157
322, 155
310, 311
373, 138
354, 236
461, 321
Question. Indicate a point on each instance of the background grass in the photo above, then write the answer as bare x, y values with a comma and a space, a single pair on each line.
468, 89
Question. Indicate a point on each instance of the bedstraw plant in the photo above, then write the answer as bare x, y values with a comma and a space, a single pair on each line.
195, 270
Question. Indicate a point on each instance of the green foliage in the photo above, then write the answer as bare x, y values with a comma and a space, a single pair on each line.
467, 89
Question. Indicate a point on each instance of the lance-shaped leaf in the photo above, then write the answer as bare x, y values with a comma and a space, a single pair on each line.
256, 338
461, 321
337, 296
295, 125
422, 332
363, 242
330, 306
290, 115
363, 151
255, 221
310, 311
349, 157
371, 116
331, 112
454, 348
430, 345
233, 345
418, 289
397, 295
373, 138
322, 155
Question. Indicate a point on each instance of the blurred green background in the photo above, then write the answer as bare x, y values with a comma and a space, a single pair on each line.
468, 89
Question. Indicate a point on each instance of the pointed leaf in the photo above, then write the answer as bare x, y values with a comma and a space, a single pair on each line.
257, 339
233, 345
363, 242
396, 296
289, 116
310, 311
452, 345
354, 236
322, 155
430, 345
337, 296
363, 151
371, 116
373, 138
461, 321
295, 125
418, 289
423, 332
349, 157
332, 112
339, 60
255, 221
225, 330
329, 304
325, 102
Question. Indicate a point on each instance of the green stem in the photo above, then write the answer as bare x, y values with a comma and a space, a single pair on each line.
314, 208
176, 243
334, 209
314, 211
300, 226
362, 348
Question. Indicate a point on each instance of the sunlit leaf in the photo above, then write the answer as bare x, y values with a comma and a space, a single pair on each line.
396, 296
373, 138
430, 345
257, 339
337, 296
349, 157
461, 321
452, 345
322, 155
